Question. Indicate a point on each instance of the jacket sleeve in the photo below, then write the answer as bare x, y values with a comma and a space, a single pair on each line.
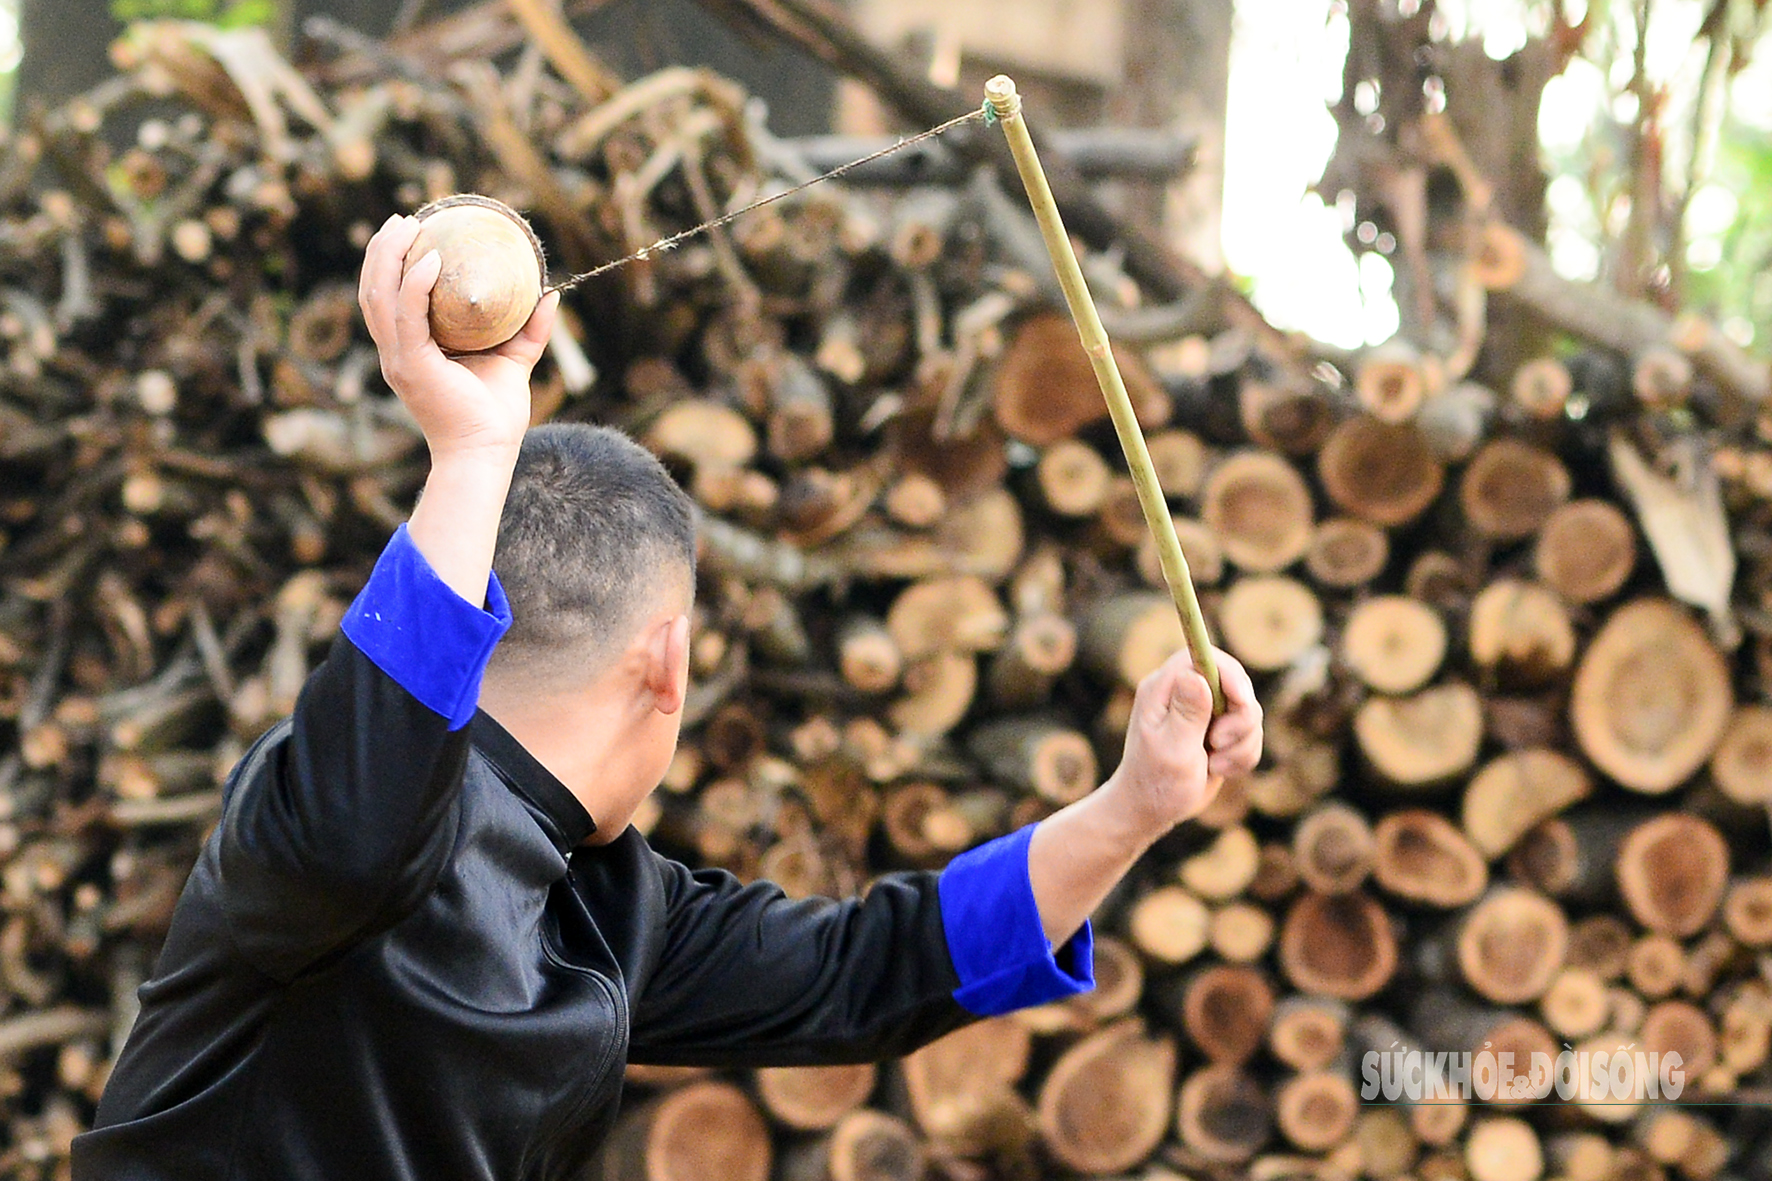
749, 977
342, 817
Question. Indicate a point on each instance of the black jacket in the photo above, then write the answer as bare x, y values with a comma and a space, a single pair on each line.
396, 960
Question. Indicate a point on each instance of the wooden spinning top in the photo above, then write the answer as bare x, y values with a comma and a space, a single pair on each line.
493, 273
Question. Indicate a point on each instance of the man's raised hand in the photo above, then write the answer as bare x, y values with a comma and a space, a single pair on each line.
1176, 753
462, 404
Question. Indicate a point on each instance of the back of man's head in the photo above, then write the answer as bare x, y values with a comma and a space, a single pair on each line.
595, 535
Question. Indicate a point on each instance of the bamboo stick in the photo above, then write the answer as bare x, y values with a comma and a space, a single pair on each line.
1005, 103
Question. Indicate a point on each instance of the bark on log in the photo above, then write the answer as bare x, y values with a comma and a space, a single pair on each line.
1590, 313
1126, 637
1037, 755
1448, 1020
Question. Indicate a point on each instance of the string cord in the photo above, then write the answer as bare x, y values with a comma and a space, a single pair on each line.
664, 244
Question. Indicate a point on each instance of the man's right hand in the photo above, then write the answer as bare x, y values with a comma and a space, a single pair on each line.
468, 404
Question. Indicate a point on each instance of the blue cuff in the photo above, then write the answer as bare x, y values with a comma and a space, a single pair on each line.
430, 640
995, 937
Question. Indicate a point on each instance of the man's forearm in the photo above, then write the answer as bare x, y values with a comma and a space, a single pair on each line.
1078, 854
455, 525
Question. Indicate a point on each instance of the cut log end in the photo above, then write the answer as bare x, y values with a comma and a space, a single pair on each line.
1747, 912
1105, 1105
1586, 551
1347, 552
1260, 509
1521, 634
1420, 856
1316, 1110
705, 1129
1270, 621
1510, 488
1672, 872
1680, 1027
1383, 473
1511, 945
1333, 849
1423, 740
1340, 946
1394, 643
1742, 763
1308, 1033
1224, 1115
1391, 383
1169, 925
812, 1098
1652, 696
1225, 1010
1503, 1149
1541, 387
1575, 1004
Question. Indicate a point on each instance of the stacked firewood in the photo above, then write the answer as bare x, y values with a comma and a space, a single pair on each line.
1519, 751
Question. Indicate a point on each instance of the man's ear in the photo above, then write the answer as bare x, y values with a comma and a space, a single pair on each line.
667, 672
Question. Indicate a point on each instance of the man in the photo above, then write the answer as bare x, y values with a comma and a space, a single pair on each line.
423, 940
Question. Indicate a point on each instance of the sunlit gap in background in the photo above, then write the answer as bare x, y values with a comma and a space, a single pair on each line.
1287, 243
11, 50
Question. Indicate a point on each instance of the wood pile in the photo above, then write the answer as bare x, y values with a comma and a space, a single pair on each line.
1519, 745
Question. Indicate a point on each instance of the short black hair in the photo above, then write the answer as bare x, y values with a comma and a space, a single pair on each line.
594, 530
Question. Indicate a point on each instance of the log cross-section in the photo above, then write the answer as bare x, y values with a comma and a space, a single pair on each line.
1105, 1105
